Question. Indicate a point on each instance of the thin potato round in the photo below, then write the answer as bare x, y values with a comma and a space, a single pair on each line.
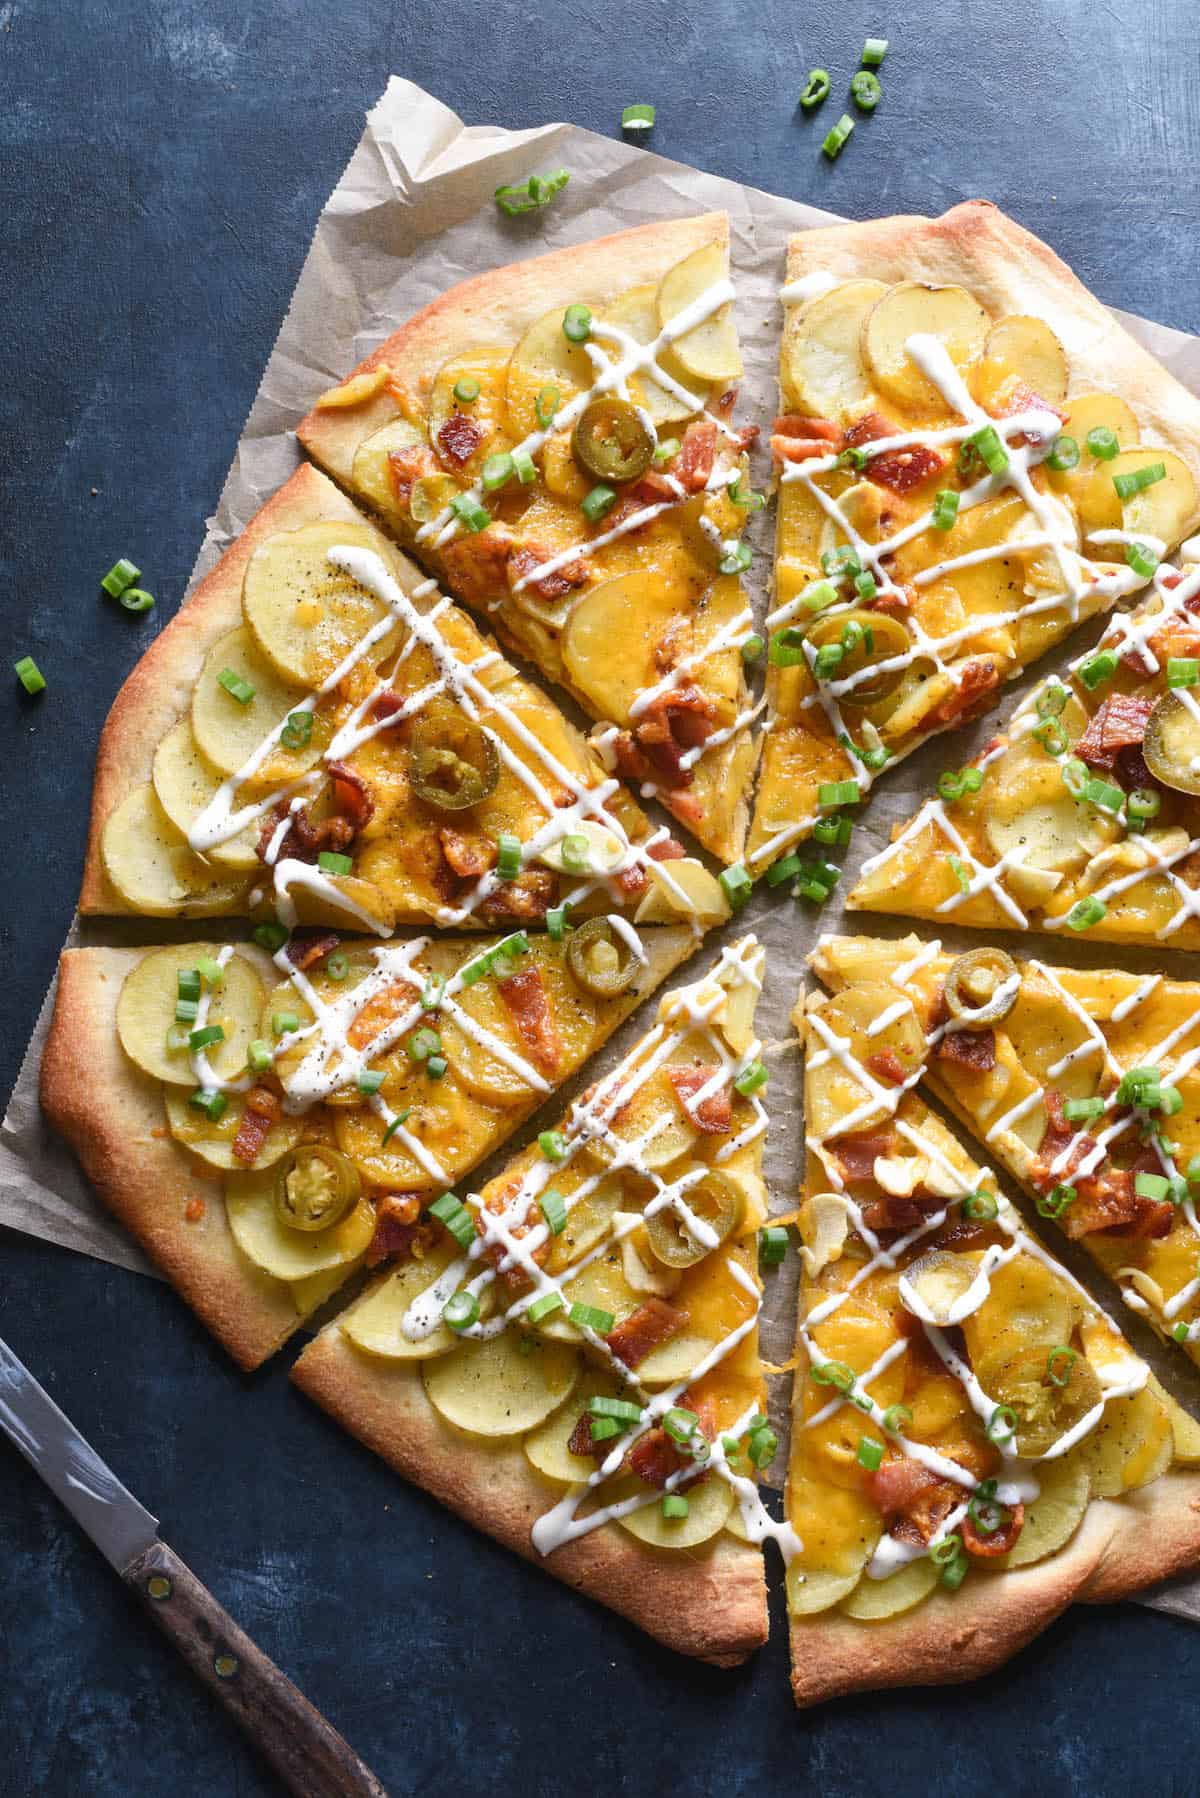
1032, 816
370, 475
546, 1446
185, 785
602, 1284
376, 1323
822, 366
291, 1254
304, 614
636, 314
874, 1599
1055, 1514
709, 350
502, 1386
146, 1012
674, 1360
228, 732
1165, 509
634, 610
835, 1089
544, 357
1130, 1446
911, 309
812, 1589
709, 1505
213, 1142
1028, 348
152, 869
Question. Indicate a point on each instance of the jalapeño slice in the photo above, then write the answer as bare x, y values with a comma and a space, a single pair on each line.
599, 961
611, 442
866, 638
315, 1186
452, 762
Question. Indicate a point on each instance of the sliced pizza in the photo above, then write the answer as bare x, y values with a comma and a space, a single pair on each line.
267, 1125
973, 456
974, 1444
569, 1358
553, 440
1084, 813
1084, 1083
321, 733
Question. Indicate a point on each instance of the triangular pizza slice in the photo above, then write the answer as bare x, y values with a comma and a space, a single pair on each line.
569, 1358
974, 1444
1083, 815
266, 1125
554, 441
321, 737
973, 456
1085, 1084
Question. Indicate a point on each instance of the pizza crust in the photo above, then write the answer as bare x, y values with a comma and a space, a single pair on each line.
710, 1602
1010, 271
112, 1115
1121, 1547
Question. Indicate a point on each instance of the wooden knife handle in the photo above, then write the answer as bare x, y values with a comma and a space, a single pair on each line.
307, 1752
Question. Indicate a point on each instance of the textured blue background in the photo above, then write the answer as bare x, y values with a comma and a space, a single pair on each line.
161, 167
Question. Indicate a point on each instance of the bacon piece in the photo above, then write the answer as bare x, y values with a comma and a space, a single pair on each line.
899, 470
896, 601
974, 1049
470, 857
261, 1112
984, 1545
530, 895
398, 1236
654, 1457
895, 1211
1057, 1134
552, 585
498, 1201
652, 489
525, 997
1120, 723
679, 720
885, 1064
795, 437
1020, 397
978, 679
408, 466
632, 880
459, 438
653, 1323
697, 453
726, 402
667, 849
856, 1155
386, 706
303, 841
580, 1441
351, 794
914, 1502
714, 1114
1108, 1202
310, 945
476, 563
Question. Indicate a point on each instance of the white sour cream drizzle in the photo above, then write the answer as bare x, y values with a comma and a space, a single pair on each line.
1017, 1482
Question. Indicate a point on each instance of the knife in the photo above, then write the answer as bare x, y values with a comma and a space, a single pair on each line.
307, 1752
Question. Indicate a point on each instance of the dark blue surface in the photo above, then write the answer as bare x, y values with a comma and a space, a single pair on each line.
161, 167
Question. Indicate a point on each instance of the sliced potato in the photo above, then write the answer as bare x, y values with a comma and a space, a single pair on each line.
589, 1219
634, 610
146, 1012
835, 1089
652, 1111
681, 890
185, 785
636, 313
914, 308
1055, 1514
1130, 1446
503, 1386
546, 1446
228, 732
1164, 509
822, 365
874, 1599
709, 350
1027, 347
487, 367
370, 475
812, 1589
291, 1254
344, 900
675, 1360
839, 1528
375, 1323
304, 614
152, 869
1030, 810
601, 1284
709, 1505
1184, 1429
213, 1142
544, 357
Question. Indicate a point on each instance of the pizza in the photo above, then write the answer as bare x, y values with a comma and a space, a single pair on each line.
571, 1360
554, 442
975, 1445
972, 458
1082, 815
320, 737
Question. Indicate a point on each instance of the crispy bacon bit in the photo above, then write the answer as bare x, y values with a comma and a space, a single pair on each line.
897, 601
652, 489
726, 402
1019, 397
408, 466
459, 438
797, 438
1057, 1134
745, 438
580, 1441
386, 705
681, 719
856, 1155
667, 849
654, 1457
893, 1211
310, 945
632, 880
351, 794
697, 453
552, 585
885, 1064
303, 841
470, 857
530, 895
525, 997
978, 679
999, 1541
262, 1110
714, 1114
476, 563
914, 1502
975, 1049
1109, 1202
653, 1323
1120, 723
193, 1211
398, 1236
899, 470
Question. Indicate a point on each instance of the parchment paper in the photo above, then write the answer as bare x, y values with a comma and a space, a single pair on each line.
411, 215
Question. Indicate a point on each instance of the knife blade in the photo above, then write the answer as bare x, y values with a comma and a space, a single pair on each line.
304, 1748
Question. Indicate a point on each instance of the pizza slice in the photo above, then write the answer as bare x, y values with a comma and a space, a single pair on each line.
1083, 814
974, 1444
319, 735
266, 1125
569, 1359
1084, 1083
553, 440
973, 457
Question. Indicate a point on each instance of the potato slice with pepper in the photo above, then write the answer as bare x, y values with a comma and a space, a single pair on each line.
709, 349
916, 308
502, 1386
304, 614
185, 784
288, 1254
146, 1013
150, 866
822, 369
